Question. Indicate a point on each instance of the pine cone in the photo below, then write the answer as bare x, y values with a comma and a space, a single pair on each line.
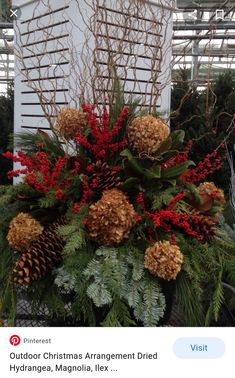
204, 225
42, 256
23, 230
111, 218
146, 134
104, 177
163, 260
69, 122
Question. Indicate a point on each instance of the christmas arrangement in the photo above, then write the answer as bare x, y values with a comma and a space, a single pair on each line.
111, 221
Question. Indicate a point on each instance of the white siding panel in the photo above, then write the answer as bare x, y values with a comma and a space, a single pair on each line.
33, 123
47, 72
32, 97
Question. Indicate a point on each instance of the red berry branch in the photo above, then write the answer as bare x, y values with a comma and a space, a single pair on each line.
210, 164
169, 218
101, 141
179, 158
41, 174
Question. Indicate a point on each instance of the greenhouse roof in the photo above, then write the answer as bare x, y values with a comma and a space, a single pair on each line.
204, 36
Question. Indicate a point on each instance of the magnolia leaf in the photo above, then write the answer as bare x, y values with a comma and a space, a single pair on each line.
177, 139
172, 182
177, 170
152, 173
149, 174
126, 153
165, 146
132, 161
130, 182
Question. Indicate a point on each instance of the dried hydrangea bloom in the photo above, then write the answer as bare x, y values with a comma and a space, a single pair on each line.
146, 134
69, 122
23, 230
163, 260
111, 218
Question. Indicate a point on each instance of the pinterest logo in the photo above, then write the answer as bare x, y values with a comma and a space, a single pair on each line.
15, 340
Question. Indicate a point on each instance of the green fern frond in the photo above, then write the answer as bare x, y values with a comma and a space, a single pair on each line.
189, 301
218, 297
82, 307
162, 199
75, 242
48, 200
150, 309
118, 315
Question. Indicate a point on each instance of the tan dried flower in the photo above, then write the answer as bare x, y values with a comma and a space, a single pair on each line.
146, 134
163, 260
23, 230
111, 218
69, 122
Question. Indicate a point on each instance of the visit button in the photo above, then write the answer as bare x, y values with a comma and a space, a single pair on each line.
199, 347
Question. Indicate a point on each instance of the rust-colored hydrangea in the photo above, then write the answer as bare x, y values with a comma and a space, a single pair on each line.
163, 260
23, 230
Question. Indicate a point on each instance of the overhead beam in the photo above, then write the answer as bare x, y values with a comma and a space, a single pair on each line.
213, 64
5, 80
5, 61
9, 38
207, 36
215, 54
203, 26
6, 51
205, 5
6, 25
5, 69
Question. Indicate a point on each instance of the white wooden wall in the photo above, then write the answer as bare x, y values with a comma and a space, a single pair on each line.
53, 61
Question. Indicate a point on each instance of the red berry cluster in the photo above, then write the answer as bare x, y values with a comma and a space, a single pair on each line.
102, 142
179, 158
210, 164
41, 174
169, 218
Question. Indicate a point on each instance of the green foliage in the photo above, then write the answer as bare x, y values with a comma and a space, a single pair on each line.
64, 280
150, 175
7, 294
5, 15
177, 170
6, 128
162, 199
168, 148
82, 307
118, 315
118, 275
119, 101
28, 142
48, 200
199, 290
226, 238
12, 193
207, 124
73, 233
40, 298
